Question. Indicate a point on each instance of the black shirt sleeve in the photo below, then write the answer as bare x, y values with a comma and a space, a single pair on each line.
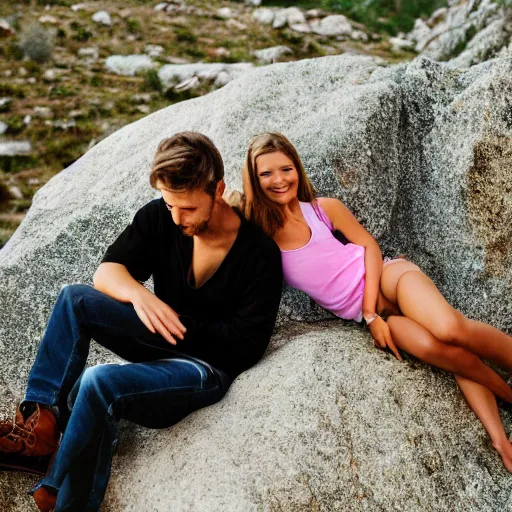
134, 247
244, 338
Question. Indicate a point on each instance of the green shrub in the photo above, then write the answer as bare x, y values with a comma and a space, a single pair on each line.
152, 80
82, 35
62, 92
37, 43
133, 25
96, 81
184, 34
17, 163
11, 90
12, 50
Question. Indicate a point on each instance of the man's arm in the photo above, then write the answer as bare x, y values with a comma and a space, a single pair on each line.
129, 260
114, 280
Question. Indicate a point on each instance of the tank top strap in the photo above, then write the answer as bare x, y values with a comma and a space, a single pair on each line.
310, 215
315, 217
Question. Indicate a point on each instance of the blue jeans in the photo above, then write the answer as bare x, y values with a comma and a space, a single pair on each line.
157, 389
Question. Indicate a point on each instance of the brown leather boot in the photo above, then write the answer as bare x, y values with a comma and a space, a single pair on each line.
45, 499
28, 445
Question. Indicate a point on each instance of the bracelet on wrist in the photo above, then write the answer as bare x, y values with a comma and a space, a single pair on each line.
368, 319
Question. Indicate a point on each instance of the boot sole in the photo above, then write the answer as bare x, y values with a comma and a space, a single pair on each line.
31, 465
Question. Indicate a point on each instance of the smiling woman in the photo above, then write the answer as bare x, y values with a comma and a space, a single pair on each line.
401, 306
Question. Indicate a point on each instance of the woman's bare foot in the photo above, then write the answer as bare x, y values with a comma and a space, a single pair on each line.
505, 451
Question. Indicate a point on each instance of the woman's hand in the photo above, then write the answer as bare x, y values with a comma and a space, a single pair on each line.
382, 336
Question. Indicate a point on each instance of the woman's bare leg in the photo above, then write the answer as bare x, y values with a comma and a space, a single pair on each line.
483, 403
419, 299
419, 342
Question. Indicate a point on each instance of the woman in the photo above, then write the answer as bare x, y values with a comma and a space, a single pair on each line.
400, 304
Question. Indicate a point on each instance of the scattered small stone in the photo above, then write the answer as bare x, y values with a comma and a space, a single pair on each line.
131, 38
313, 13
51, 20
63, 125
187, 84
91, 52
162, 6
238, 25
79, 7
5, 28
50, 75
8, 73
398, 45
125, 13
177, 60
154, 50
128, 65
420, 34
31, 80
225, 13
303, 28
5, 104
222, 52
27, 119
15, 192
254, 3
144, 109
74, 114
3, 127
264, 15
142, 97
178, 75
102, 17
33, 181
334, 25
289, 16
43, 112
271, 54
22, 71
358, 35
15, 148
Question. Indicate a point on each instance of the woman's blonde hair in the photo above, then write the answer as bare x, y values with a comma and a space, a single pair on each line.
257, 207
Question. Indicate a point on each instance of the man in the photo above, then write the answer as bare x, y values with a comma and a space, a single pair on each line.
217, 286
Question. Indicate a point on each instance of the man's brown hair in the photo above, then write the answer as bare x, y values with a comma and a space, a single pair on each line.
187, 161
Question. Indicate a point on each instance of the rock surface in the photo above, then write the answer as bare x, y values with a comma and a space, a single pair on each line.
271, 54
421, 154
129, 65
172, 75
466, 33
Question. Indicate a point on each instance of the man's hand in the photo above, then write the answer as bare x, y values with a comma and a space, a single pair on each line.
382, 336
157, 316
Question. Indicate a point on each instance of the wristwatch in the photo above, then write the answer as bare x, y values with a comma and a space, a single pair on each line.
368, 319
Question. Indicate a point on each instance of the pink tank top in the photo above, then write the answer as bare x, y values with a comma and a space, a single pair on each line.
331, 273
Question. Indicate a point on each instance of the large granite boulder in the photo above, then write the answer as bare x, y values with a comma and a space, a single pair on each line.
422, 154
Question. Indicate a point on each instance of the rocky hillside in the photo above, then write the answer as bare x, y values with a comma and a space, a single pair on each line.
465, 33
71, 74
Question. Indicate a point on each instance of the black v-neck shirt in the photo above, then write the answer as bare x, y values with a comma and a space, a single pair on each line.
230, 318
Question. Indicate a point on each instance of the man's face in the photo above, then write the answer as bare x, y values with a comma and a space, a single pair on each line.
190, 209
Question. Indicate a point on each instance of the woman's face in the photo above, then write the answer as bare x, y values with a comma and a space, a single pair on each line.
278, 177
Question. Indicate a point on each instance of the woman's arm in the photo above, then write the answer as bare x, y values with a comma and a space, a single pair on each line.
343, 220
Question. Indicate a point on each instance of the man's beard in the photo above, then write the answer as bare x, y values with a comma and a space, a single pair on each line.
199, 227
195, 229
